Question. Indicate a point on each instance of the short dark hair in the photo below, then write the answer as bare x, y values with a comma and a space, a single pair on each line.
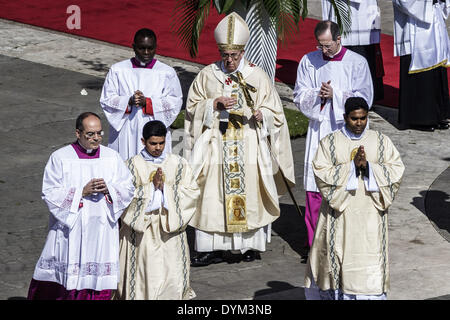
81, 117
323, 26
144, 33
154, 128
355, 103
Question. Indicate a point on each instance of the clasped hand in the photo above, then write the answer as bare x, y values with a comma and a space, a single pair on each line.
137, 99
158, 179
360, 158
326, 90
95, 186
226, 103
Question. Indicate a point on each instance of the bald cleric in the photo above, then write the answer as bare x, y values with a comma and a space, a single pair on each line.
86, 187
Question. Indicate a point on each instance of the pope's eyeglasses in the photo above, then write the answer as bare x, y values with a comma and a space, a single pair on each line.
233, 55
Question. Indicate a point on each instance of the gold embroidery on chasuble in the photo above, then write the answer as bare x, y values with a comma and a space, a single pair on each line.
152, 175
233, 166
353, 153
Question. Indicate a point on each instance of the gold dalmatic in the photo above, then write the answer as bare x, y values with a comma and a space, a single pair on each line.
233, 167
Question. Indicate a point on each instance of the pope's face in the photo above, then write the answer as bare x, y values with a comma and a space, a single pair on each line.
91, 135
231, 59
356, 121
145, 49
155, 145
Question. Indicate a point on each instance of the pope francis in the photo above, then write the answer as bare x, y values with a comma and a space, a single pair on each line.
237, 140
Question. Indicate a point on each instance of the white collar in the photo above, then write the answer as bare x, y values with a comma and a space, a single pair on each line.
340, 48
143, 64
351, 135
87, 150
148, 157
239, 68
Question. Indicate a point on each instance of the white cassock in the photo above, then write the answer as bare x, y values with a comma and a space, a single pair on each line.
420, 30
82, 247
350, 77
160, 84
366, 25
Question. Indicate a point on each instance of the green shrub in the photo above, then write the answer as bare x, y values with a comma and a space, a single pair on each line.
297, 122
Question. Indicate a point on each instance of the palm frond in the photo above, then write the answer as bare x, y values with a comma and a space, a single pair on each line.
304, 9
286, 15
223, 6
343, 16
189, 17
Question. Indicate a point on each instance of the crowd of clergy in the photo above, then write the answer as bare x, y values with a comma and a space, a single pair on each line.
119, 213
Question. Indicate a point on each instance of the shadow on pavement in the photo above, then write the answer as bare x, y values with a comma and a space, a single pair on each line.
280, 290
95, 64
96, 84
435, 204
446, 297
387, 113
437, 209
291, 227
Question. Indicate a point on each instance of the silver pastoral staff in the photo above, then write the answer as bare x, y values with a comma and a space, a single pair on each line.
251, 104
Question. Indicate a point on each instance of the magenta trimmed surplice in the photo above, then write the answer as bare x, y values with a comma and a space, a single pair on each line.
47, 290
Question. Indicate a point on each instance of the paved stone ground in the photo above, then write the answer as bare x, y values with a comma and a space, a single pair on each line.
42, 76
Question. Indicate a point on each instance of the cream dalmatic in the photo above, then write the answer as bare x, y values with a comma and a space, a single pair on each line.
350, 248
154, 252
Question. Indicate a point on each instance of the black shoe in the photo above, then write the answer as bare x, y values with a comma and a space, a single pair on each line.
206, 258
230, 257
251, 255
424, 128
443, 125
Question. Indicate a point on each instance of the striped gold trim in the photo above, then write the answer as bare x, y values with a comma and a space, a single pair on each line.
230, 30
224, 46
440, 64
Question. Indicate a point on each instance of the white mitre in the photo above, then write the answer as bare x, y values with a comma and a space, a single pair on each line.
232, 33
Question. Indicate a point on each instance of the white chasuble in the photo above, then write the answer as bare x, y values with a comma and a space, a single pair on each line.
350, 248
82, 247
349, 76
237, 171
154, 252
160, 84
